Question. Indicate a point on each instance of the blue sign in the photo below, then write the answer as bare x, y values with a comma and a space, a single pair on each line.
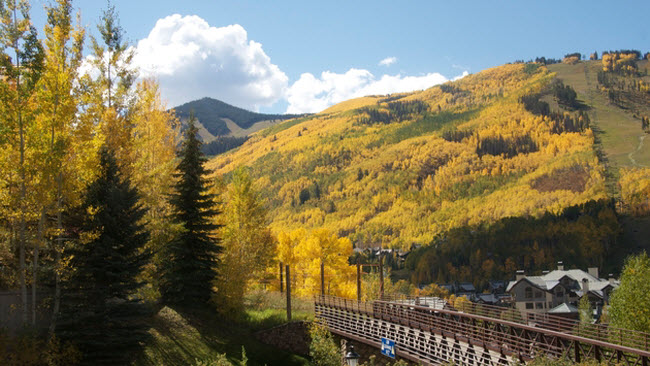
388, 347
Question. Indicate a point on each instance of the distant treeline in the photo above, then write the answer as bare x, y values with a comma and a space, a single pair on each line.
222, 144
560, 121
455, 135
395, 112
581, 236
564, 94
636, 53
507, 147
578, 56
539, 60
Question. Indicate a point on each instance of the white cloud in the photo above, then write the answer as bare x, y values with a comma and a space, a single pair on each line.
192, 60
388, 61
465, 73
310, 94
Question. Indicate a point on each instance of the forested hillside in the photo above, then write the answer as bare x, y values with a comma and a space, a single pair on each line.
398, 170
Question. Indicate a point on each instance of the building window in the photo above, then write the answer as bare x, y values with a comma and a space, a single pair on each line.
538, 305
538, 294
560, 293
528, 292
529, 305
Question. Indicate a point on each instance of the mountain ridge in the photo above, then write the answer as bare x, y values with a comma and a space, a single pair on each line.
219, 118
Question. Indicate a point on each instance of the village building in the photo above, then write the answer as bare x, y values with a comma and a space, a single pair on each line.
559, 291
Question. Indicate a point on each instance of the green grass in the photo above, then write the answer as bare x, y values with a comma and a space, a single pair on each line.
431, 123
266, 310
284, 125
617, 131
181, 338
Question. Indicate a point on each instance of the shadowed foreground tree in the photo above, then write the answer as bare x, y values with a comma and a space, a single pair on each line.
100, 313
188, 266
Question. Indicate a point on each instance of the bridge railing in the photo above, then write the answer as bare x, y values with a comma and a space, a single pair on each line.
600, 332
515, 339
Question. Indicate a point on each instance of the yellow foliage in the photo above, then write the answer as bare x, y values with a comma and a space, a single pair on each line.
635, 190
305, 252
571, 60
616, 61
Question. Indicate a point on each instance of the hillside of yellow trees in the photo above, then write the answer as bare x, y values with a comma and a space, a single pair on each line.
401, 169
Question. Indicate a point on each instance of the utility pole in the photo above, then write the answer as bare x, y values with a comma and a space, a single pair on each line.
288, 272
381, 277
358, 280
322, 278
281, 284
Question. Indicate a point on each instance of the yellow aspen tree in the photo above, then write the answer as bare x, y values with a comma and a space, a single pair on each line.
248, 245
21, 58
108, 101
57, 101
288, 243
333, 252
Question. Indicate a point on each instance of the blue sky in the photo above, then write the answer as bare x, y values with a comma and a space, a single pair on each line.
302, 56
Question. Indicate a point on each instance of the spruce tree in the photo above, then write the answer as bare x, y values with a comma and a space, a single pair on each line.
101, 313
188, 266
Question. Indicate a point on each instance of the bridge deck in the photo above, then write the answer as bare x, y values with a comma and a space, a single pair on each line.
478, 335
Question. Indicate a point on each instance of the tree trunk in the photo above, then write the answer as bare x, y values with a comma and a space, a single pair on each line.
23, 267
23, 190
109, 79
57, 248
41, 225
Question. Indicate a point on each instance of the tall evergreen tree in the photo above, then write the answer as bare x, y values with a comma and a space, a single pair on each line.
100, 312
188, 268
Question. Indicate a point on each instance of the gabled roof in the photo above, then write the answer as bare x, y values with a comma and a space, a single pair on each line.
575, 274
598, 293
563, 309
487, 298
466, 287
536, 281
552, 279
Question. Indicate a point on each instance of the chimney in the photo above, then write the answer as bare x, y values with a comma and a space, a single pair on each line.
585, 285
611, 279
520, 274
545, 272
560, 266
593, 271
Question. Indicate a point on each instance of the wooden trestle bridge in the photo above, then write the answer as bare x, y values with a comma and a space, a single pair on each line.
428, 331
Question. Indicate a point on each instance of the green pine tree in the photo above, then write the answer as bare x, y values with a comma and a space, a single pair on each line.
188, 267
101, 314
